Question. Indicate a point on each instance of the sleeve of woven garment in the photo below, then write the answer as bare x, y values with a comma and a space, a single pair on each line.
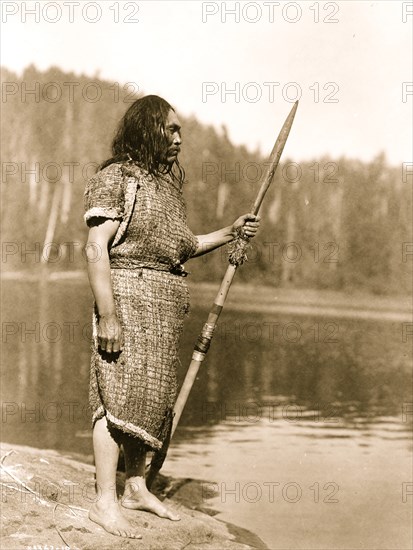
104, 195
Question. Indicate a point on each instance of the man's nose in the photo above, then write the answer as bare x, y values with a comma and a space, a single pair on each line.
177, 139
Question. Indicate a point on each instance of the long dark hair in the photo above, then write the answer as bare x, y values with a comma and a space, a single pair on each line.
140, 137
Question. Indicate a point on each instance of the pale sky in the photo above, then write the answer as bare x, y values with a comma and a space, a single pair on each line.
361, 61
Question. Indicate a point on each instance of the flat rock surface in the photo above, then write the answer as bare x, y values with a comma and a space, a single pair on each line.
46, 496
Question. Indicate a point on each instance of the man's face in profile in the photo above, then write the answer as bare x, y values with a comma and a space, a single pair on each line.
173, 137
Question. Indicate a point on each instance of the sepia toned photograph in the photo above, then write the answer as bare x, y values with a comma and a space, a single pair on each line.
206, 275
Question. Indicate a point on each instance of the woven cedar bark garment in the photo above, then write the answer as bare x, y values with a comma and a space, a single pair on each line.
136, 389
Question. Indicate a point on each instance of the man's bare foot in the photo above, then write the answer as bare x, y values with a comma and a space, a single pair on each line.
109, 516
137, 497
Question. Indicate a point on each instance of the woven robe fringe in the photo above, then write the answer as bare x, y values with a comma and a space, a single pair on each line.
130, 428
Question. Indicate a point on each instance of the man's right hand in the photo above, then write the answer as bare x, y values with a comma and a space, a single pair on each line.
110, 334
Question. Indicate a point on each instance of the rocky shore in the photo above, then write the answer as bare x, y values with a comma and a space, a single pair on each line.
46, 495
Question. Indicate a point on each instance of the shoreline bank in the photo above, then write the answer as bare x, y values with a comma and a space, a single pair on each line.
46, 495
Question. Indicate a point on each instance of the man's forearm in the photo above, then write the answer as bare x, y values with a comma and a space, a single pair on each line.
101, 283
213, 240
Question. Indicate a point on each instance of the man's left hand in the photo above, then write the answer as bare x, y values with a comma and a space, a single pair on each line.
249, 224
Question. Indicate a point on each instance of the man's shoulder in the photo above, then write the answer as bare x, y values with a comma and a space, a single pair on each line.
111, 171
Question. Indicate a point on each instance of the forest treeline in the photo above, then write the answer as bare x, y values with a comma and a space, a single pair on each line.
340, 224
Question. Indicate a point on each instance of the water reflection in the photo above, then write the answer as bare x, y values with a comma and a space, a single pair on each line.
322, 379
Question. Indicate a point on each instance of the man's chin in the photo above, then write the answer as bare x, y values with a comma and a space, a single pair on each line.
170, 160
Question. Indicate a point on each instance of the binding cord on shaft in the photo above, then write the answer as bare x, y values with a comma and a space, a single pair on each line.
237, 248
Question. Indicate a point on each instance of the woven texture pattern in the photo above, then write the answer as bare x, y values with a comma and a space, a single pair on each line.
136, 389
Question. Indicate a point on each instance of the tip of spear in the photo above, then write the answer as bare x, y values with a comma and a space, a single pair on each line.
294, 109
292, 112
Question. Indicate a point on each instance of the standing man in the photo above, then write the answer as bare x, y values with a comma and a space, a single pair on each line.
137, 222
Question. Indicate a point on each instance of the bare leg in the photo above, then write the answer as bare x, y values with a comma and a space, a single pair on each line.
137, 496
106, 510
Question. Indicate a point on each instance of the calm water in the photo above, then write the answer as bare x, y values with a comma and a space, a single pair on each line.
299, 424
